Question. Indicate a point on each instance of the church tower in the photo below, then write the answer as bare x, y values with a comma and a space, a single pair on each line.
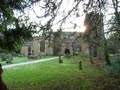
94, 33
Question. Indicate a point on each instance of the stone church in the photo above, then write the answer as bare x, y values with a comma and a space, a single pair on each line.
40, 46
71, 45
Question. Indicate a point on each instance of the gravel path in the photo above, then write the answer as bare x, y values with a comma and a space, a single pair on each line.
29, 62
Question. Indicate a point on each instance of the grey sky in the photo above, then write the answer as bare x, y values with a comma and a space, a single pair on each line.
68, 26
66, 6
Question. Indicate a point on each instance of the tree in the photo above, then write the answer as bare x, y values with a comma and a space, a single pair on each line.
13, 32
2, 84
57, 43
113, 43
114, 37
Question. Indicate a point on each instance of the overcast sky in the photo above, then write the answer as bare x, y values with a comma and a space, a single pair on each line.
68, 26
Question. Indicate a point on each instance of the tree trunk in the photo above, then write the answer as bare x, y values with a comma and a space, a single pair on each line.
90, 54
60, 60
74, 52
2, 85
106, 53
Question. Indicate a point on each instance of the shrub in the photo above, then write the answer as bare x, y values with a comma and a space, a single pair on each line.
114, 70
3, 57
32, 56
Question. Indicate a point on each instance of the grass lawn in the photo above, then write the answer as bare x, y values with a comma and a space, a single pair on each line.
24, 59
51, 75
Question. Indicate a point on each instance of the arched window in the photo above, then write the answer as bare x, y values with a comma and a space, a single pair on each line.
29, 51
78, 49
42, 46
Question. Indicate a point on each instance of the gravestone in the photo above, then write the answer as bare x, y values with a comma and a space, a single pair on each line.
9, 58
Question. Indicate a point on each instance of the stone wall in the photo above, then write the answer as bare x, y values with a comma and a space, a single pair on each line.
36, 47
24, 50
48, 49
84, 48
73, 47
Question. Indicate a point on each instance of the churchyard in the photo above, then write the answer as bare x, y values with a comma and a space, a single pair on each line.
52, 75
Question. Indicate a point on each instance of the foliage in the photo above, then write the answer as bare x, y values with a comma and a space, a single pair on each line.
106, 53
17, 4
111, 78
114, 38
3, 57
112, 74
113, 43
13, 38
13, 32
114, 70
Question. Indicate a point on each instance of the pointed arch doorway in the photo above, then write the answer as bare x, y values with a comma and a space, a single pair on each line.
67, 51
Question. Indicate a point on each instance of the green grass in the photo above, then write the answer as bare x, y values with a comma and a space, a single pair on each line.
52, 75
24, 59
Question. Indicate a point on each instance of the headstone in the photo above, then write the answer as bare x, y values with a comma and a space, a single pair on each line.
80, 65
9, 59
